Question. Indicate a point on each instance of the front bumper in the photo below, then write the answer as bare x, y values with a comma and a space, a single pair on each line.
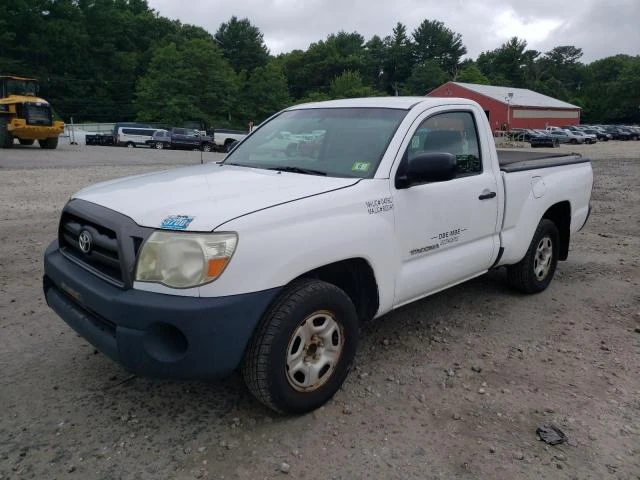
20, 129
154, 334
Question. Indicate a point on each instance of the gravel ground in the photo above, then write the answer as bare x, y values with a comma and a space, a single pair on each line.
453, 386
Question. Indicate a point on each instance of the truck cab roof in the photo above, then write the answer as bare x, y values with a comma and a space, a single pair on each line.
402, 103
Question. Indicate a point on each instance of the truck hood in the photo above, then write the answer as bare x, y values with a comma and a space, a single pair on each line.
207, 195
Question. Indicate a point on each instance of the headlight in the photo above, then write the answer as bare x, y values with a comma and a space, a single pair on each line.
184, 260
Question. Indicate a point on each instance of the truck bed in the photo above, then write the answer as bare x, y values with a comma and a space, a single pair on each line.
514, 161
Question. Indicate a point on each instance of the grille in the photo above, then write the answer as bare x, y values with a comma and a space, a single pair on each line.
38, 114
104, 256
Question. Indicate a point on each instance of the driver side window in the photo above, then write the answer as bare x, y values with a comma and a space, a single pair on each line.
450, 132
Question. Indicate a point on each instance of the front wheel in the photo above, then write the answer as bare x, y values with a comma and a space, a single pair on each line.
303, 348
50, 143
206, 147
535, 271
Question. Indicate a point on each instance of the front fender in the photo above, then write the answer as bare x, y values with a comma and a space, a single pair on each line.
281, 243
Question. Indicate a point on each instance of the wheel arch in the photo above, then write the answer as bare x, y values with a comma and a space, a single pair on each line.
356, 278
560, 215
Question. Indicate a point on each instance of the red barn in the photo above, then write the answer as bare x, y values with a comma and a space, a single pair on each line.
508, 107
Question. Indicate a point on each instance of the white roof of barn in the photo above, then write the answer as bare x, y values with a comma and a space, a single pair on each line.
521, 96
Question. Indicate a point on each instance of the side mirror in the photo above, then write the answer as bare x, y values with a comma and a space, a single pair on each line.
428, 167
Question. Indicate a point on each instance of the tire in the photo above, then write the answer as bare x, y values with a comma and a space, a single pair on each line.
305, 317
26, 141
573, 141
535, 271
6, 139
130, 145
159, 146
206, 147
49, 143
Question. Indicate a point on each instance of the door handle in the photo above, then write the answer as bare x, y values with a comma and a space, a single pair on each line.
487, 196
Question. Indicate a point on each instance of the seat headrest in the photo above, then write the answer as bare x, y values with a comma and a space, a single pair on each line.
442, 141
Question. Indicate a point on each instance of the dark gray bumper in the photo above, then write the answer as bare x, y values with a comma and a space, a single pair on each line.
153, 334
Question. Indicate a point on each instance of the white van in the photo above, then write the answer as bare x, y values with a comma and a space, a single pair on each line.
134, 136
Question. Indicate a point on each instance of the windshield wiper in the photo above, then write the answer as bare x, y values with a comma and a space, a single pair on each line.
306, 171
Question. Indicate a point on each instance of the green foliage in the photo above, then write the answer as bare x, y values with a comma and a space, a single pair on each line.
190, 82
472, 74
118, 60
434, 41
507, 65
349, 85
242, 44
399, 61
324, 60
425, 77
263, 93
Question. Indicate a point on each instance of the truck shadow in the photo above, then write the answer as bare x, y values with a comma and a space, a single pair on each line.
175, 401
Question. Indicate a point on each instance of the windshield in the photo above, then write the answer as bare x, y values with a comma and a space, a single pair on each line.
21, 87
337, 142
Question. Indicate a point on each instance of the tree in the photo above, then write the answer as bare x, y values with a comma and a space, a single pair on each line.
200, 85
263, 93
472, 74
433, 41
425, 77
349, 85
375, 56
560, 64
508, 64
399, 61
242, 44
314, 69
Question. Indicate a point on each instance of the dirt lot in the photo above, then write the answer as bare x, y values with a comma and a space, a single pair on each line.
453, 386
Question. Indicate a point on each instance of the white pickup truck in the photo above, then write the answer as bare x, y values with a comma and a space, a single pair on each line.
224, 139
268, 260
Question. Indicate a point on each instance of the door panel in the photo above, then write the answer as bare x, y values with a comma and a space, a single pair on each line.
447, 233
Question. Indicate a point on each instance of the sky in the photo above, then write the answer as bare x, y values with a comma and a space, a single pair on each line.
600, 27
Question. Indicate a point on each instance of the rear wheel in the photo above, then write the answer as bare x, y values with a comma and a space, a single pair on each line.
26, 141
131, 145
49, 143
6, 139
573, 141
303, 348
206, 147
535, 271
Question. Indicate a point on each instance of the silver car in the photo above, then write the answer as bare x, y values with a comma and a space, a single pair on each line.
574, 137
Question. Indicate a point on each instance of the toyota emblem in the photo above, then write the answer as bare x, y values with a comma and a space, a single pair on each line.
84, 241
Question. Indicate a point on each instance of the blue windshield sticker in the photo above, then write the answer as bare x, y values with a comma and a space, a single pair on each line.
176, 222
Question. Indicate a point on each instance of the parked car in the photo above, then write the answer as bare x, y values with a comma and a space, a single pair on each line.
588, 138
134, 136
223, 138
574, 137
181, 139
634, 132
619, 133
600, 135
540, 138
117, 126
560, 135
